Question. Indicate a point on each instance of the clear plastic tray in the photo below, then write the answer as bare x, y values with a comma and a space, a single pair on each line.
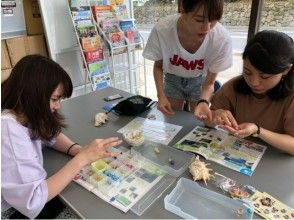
181, 161
189, 200
170, 159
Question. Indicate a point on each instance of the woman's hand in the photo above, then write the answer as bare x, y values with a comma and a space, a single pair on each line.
98, 149
202, 112
164, 106
245, 130
224, 119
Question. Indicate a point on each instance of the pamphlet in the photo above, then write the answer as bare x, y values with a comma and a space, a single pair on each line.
219, 146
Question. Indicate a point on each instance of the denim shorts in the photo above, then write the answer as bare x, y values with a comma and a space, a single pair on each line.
177, 87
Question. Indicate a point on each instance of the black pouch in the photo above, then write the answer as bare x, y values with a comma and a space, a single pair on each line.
133, 105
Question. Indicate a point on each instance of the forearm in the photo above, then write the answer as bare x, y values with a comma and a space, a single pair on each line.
158, 78
57, 182
207, 91
283, 142
208, 86
63, 143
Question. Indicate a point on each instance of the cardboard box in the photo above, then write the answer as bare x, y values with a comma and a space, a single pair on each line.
33, 18
5, 60
5, 74
22, 46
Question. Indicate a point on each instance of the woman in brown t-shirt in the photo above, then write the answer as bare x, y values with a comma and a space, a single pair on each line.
261, 101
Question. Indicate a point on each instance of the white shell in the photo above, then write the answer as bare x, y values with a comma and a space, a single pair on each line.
199, 170
100, 119
134, 138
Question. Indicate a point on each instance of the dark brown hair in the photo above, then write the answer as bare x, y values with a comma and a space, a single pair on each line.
214, 7
271, 52
28, 90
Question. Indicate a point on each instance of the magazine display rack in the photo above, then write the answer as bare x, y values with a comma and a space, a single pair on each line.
110, 43
90, 44
122, 44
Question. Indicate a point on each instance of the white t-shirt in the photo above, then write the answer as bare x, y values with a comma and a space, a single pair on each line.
214, 54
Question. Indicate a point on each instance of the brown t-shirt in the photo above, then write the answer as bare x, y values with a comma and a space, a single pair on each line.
276, 116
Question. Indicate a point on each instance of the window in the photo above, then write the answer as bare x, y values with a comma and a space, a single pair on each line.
235, 19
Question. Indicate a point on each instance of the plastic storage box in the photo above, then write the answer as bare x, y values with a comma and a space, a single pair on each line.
191, 201
171, 160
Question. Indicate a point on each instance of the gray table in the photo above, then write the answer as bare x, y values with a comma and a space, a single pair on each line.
274, 174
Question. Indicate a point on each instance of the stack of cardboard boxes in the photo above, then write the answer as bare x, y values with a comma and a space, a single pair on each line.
5, 62
13, 49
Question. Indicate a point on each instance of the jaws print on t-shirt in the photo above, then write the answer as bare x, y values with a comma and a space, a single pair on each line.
189, 65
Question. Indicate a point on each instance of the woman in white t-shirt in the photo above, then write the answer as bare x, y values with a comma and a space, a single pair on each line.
189, 49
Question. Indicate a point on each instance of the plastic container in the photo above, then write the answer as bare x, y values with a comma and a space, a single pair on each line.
189, 200
181, 161
134, 138
170, 159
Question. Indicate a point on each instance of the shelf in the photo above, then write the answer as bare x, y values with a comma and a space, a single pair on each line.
13, 34
121, 61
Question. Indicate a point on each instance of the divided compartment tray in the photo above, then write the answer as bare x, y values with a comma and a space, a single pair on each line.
189, 200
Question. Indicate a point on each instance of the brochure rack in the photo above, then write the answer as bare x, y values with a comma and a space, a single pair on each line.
122, 45
110, 45
90, 44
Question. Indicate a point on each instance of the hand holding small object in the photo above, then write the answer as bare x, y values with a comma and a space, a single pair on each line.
202, 111
246, 129
224, 118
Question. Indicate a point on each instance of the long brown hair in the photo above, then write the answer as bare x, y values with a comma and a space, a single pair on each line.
27, 92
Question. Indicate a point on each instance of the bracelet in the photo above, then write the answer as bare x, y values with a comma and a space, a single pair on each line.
257, 133
202, 100
67, 152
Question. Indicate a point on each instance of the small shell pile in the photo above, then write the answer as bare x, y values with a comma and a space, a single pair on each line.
100, 119
134, 138
199, 170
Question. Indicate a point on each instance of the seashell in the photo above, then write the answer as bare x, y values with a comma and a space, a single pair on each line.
199, 170
134, 138
100, 119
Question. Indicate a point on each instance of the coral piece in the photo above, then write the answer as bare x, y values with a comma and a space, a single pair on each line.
100, 119
156, 150
199, 170
134, 138
238, 192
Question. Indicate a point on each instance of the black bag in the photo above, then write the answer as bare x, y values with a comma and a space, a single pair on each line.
133, 105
